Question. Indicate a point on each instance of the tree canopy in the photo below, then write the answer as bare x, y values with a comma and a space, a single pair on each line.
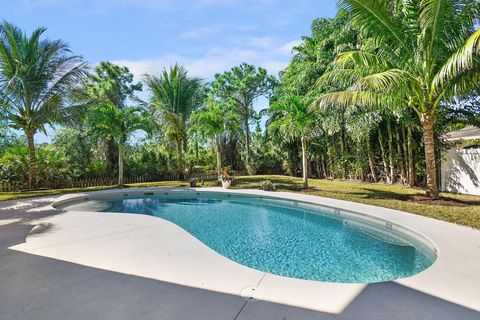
367, 96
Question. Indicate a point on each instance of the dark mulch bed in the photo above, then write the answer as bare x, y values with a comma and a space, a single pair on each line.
442, 201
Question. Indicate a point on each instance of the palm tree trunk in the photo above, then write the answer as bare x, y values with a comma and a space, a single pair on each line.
390, 152
401, 163
428, 122
180, 159
120, 165
219, 157
196, 151
319, 168
342, 152
384, 157
324, 167
232, 147
304, 163
32, 161
363, 173
411, 160
371, 161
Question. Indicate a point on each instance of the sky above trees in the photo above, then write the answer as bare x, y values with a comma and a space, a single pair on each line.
206, 36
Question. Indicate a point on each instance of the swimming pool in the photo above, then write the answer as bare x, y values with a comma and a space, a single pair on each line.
283, 237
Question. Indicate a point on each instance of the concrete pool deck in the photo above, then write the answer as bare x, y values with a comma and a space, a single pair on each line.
155, 252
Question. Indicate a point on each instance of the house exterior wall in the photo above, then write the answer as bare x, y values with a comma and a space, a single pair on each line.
460, 171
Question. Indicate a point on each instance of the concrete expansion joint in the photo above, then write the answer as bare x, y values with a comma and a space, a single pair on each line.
261, 279
253, 293
240, 311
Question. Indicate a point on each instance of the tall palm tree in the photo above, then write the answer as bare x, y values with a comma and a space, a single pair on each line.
111, 84
106, 120
291, 116
35, 80
419, 53
175, 96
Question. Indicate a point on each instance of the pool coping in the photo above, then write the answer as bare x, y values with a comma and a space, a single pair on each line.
451, 242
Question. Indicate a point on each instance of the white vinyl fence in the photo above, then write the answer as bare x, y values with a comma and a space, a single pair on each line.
461, 171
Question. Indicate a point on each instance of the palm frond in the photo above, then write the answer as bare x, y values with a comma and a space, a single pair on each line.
364, 99
388, 80
462, 61
352, 59
374, 17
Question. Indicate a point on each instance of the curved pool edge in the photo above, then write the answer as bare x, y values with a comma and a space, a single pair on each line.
342, 211
445, 279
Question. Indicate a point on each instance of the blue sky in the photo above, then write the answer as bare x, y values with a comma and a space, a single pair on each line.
206, 36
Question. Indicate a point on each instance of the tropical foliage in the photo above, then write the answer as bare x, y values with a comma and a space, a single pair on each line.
117, 124
292, 119
36, 77
175, 96
416, 54
240, 87
366, 96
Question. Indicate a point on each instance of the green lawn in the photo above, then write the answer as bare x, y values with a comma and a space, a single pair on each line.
460, 209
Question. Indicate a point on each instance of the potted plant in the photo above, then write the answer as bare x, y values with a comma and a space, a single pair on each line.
226, 180
267, 185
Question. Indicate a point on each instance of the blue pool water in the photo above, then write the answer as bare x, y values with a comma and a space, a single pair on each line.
282, 238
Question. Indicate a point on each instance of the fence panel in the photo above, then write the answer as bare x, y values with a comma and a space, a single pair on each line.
6, 186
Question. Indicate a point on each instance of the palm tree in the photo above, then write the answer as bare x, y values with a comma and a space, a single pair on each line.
175, 96
418, 54
35, 81
111, 84
106, 120
213, 121
291, 116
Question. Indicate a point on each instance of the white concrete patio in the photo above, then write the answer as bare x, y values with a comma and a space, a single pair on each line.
153, 248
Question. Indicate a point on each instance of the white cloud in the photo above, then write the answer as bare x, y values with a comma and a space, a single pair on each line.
216, 60
287, 48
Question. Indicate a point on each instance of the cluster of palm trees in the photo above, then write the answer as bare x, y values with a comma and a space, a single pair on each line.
417, 55
43, 84
401, 55
377, 62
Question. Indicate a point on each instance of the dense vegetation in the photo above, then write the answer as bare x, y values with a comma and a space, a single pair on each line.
366, 96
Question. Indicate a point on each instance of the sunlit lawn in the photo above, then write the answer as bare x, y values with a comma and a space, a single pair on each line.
395, 197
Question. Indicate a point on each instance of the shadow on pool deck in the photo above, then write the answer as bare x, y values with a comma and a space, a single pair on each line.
37, 288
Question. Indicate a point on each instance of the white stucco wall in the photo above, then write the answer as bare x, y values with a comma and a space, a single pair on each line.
461, 171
